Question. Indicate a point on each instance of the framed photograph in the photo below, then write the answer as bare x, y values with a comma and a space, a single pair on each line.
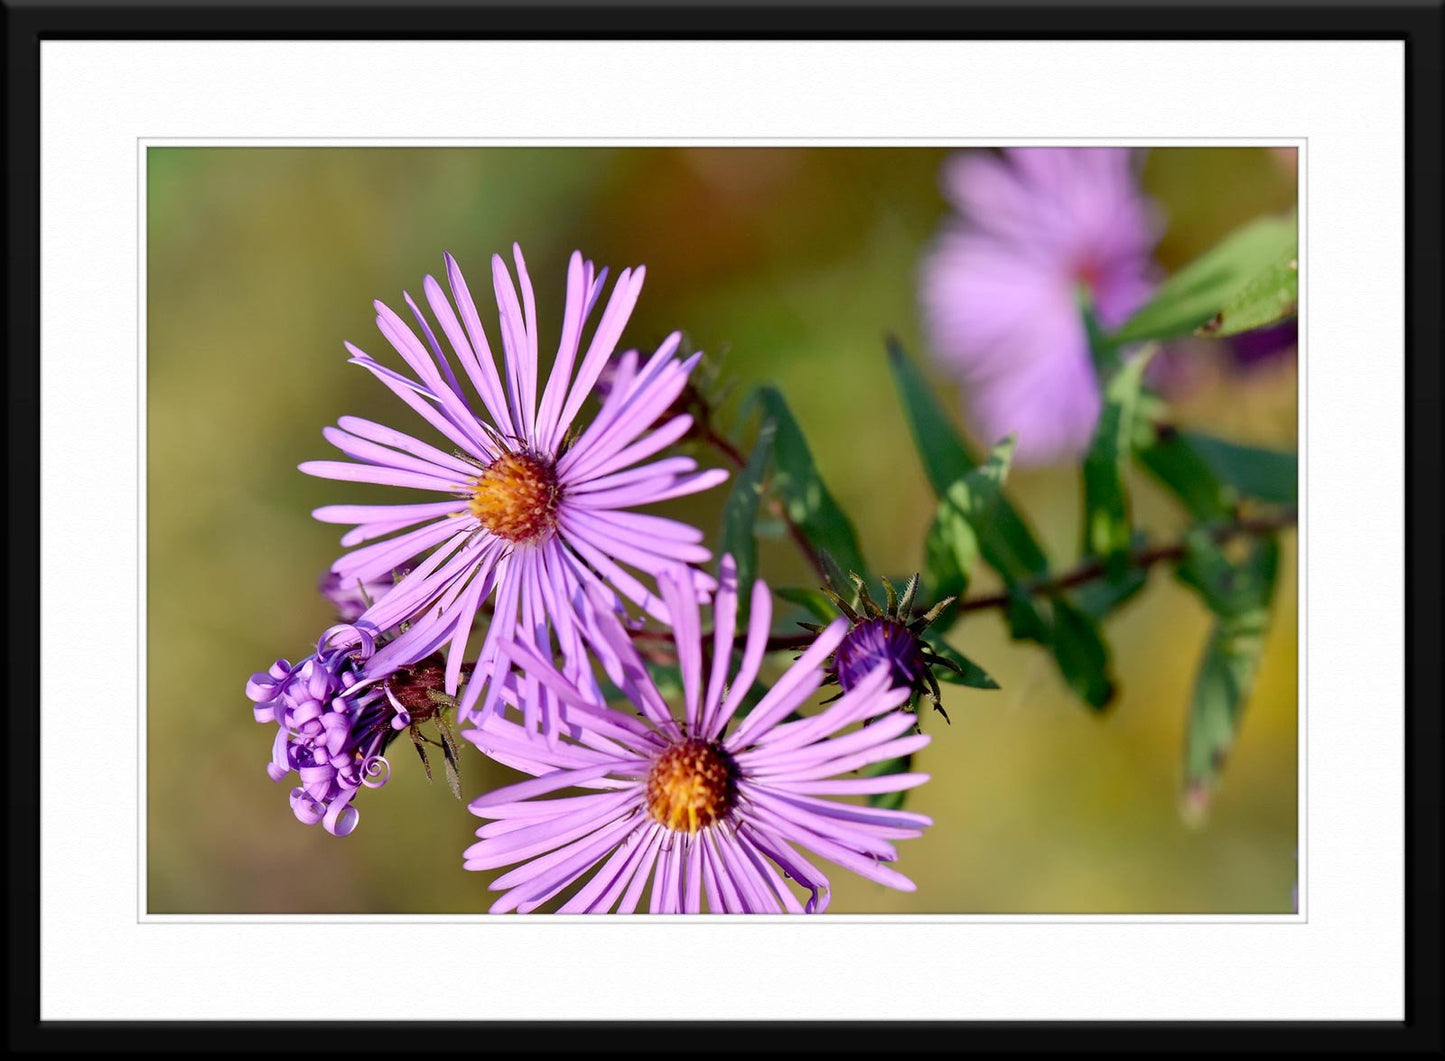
542, 512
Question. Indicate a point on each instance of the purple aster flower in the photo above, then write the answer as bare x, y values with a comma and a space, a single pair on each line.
701, 806
1000, 291
527, 506
332, 724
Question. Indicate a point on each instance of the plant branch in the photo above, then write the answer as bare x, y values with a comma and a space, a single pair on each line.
1142, 559
1084, 573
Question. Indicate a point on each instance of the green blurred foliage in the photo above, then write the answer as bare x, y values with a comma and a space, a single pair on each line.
788, 265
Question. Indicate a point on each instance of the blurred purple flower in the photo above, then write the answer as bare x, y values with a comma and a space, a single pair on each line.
675, 802
332, 724
1001, 289
1263, 345
530, 508
351, 599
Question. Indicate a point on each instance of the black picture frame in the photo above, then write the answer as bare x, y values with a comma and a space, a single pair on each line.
1418, 24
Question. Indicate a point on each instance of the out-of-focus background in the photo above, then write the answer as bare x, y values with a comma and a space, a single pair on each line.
784, 264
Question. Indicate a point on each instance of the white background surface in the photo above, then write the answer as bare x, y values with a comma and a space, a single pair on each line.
103, 958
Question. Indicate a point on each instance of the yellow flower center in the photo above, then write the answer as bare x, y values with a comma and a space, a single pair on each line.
692, 785
516, 497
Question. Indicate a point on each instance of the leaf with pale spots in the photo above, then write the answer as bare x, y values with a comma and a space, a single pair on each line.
966, 511
1271, 296
1241, 275
1239, 594
1108, 530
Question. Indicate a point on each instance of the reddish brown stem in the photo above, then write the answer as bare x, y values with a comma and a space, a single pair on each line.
1084, 573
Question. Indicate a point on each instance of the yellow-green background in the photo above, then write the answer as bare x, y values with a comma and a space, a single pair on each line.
789, 265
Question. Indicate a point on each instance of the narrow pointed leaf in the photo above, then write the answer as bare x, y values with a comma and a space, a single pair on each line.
1173, 460
949, 551
1240, 597
810, 600
740, 514
1006, 544
1203, 289
1103, 596
1108, 531
966, 511
1270, 297
1264, 474
421, 751
1009, 547
804, 494
449, 753
968, 673
1081, 654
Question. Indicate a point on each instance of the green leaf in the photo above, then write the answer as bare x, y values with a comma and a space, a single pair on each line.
1229, 589
1218, 279
451, 756
419, 741
1270, 297
1105, 595
946, 458
1005, 542
1172, 459
802, 490
967, 673
1240, 596
666, 676
1108, 531
1081, 654
967, 508
810, 600
1264, 474
740, 515
888, 800
1026, 620
949, 550
836, 576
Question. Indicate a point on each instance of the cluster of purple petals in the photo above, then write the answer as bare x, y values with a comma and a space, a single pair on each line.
878, 641
332, 723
